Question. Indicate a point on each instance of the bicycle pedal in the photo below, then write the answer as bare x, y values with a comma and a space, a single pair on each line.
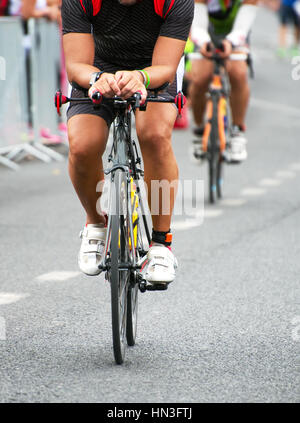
146, 286
157, 287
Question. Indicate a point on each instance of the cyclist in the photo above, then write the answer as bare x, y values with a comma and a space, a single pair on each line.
289, 13
229, 22
119, 47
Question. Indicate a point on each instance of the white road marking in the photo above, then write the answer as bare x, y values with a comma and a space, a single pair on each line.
252, 192
10, 297
270, 182
199, 217
233, 202
211, 213
285, 174
183, 225
57, 276
295, 166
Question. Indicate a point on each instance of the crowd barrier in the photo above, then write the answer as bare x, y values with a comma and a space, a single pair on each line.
42, 47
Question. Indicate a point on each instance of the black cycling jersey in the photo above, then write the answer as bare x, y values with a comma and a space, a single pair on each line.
125, 36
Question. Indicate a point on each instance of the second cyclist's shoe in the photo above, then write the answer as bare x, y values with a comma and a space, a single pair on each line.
236, 151
159, 265
197, 151
92, 249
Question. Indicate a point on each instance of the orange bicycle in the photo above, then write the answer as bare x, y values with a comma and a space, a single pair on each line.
218, 121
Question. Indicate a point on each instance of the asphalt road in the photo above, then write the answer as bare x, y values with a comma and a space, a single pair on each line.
227, 330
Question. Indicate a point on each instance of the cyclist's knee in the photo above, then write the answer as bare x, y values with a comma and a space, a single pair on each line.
82, 151
156, 141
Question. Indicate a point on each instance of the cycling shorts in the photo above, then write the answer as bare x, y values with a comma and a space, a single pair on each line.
287, 15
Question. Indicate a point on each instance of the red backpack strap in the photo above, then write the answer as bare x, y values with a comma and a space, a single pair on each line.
96, 6
159, 7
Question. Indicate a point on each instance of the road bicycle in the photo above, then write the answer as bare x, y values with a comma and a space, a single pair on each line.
218, 120
128, 235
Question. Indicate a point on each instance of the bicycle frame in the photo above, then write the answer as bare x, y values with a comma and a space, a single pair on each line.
124, 156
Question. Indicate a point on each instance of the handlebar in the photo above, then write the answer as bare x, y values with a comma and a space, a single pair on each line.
135, 101
233, 57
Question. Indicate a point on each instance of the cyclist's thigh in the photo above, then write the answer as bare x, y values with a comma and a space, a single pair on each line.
88, 127
202, 71
87, 134
155, 125
237, 70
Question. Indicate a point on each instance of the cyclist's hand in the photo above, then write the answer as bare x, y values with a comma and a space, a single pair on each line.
206, 50
131, 82
107, 85
227, 49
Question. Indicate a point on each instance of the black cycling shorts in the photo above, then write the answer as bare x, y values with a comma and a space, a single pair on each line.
287, 15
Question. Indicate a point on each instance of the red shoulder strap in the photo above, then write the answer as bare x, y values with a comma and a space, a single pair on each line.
159, 7
96, 6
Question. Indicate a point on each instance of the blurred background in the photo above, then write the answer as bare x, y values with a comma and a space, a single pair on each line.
32, 68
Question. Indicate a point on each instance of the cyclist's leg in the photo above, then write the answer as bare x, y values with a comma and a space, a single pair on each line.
201, 75
240, 91
154, 129
87, 138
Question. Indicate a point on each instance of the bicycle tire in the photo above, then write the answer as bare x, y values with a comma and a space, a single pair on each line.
119, 279
133, 289
220, 178
213, 156
132, 314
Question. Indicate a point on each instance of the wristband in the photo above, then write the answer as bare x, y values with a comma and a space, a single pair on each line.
95, 77
147, 78
144, 76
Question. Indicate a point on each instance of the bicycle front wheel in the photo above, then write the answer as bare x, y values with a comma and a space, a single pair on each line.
119, 272
213, 153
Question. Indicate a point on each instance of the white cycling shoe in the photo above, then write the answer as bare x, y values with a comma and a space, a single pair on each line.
159, 265
92, 249
236, 151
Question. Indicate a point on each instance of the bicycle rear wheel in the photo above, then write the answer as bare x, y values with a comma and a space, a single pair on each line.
220, 178
120, 261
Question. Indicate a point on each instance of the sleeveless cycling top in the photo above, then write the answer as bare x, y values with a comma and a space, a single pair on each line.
125, 36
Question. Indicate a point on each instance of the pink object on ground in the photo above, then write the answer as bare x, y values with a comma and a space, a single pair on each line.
182, 122
49, 138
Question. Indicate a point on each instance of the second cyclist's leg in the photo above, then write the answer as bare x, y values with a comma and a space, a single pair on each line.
240, 94
87, 138
154, 129
201, 75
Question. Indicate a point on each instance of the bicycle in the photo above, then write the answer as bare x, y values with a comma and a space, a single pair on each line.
218, 119
128, 235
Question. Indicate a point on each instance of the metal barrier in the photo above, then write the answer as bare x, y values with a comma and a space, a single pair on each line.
45, 50
13, 95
